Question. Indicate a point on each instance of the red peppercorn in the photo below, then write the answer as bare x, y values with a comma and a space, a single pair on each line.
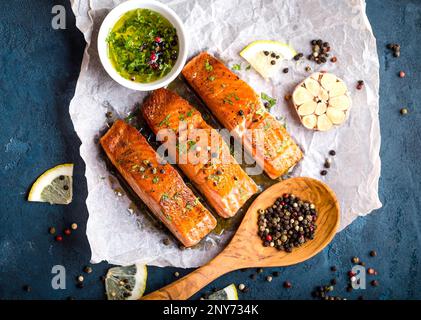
153, 56
286, 195
334, 59
158, 39
370, 271
269, 237
59, 238
287, 284
67, 232
359, 86
351, 274
402, 74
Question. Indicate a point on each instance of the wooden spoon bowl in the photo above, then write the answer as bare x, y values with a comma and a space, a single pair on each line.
246, 249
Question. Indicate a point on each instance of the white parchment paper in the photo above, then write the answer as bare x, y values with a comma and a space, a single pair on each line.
224, 28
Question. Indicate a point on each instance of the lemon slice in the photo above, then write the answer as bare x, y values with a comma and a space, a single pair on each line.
126, 283
54, 185
254, 53
228, 293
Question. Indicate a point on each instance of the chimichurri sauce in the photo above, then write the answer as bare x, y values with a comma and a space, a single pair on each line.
143, 46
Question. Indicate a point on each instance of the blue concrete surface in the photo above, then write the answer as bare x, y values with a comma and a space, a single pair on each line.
39, 69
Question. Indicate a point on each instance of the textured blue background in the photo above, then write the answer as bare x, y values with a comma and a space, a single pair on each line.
39, 68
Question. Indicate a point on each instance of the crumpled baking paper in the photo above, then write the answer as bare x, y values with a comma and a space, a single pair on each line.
223, 28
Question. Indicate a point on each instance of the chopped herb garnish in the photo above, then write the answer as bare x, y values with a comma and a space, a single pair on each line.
248, 67
266, 126
271, 101
211, 78
191, 143
260, 112
165, 121
181, 116
189, 113
208, 66
236, 66
155, 180
228, 101
165, 197
130, 117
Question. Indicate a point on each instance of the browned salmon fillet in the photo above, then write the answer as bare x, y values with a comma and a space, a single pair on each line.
158, 185
209, 164
240, 110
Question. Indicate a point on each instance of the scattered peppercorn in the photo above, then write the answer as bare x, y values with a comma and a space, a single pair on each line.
334, 59
275, 274
373, 253
253, 276
73, 226
320, 51
332, 152
404, 111
269, 278
241, 286
166, 241
273, 62
307, 69
285, 70
59, 238
355, 260
333, 282
87, 269
323, 172
370, 271
80, 285
396, 49
287, 285
374, 283
67, 232
402, 74
266, 53
260, 270
176, 274
333, 269
27, 288
327, 164
298, 56
52, 230
80, 278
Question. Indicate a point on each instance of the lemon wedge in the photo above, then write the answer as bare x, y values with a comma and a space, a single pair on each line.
228, 293
54, 185
126, 283
265, 56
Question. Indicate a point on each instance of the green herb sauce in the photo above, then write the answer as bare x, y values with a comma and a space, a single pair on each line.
143, 46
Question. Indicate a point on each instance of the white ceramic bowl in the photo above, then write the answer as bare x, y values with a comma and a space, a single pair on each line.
109, 22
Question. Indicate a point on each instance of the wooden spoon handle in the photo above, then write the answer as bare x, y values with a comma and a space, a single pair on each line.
187, 286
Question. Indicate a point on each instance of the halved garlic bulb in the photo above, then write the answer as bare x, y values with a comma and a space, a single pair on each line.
322, 101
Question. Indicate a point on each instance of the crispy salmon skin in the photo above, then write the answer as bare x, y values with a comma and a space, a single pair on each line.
209, 164
158, 185
239, 109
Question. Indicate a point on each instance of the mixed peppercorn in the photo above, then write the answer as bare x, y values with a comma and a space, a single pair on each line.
288, 223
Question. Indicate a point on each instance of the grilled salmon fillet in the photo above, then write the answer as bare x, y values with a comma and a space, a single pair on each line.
205, 158
240, 110
158, 185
